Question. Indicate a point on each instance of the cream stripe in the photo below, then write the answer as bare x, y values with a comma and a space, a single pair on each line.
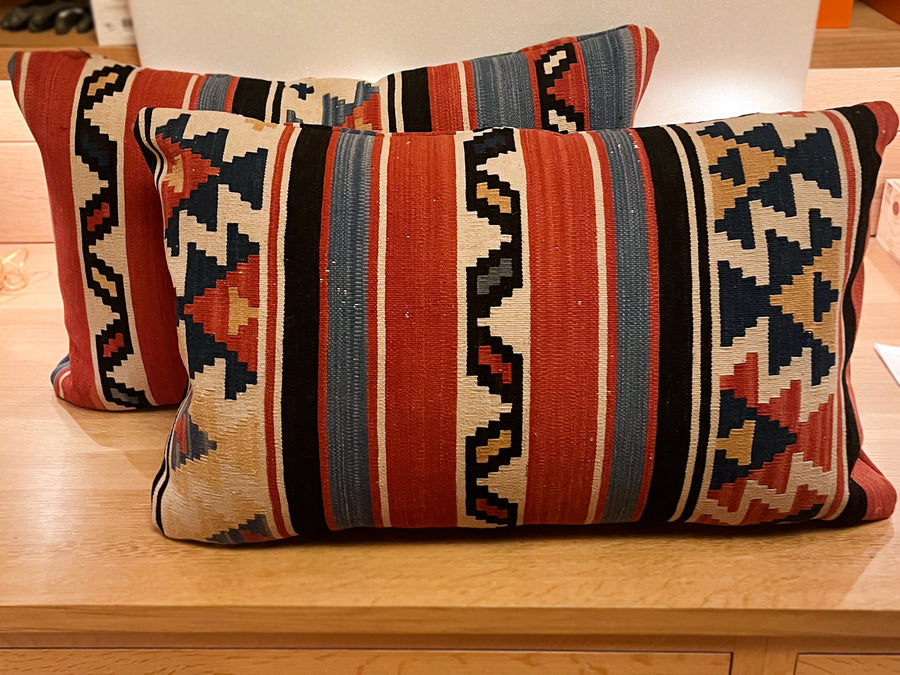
464, 94
719, 357
382, 331
186, 102
62, 378
696, 346
279, 323
23, 71
602, 333
643, 32
398, 101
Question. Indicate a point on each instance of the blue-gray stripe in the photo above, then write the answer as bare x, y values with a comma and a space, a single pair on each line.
212, 92
348, 255
502, 87
633, 332
11, 66
609, 64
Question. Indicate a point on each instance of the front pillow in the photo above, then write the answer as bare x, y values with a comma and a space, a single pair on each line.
508, 326
118, 300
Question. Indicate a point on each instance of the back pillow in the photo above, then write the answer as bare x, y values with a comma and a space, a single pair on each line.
118, 300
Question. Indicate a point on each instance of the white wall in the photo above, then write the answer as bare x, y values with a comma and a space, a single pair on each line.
717, 57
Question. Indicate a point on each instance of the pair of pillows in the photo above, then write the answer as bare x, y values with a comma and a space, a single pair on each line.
493, 327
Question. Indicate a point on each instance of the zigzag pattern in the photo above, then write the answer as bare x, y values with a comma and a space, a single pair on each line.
495, 365
550, 69
98, 219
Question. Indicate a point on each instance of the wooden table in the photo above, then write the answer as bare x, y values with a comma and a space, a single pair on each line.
86, 580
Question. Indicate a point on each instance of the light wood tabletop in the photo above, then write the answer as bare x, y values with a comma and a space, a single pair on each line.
82, 565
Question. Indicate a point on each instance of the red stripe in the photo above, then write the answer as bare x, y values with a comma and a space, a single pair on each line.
470, 95
374, 356
57, 77
444, 93
421, 325
195, 92
273, 284
152, 294
612, 324
653, 379
323, 331
564, 327
229, 94
880, 494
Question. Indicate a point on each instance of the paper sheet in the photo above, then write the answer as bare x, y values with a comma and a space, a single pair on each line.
891, 357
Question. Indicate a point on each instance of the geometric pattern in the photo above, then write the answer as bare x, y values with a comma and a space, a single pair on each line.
783, 298
105, 294
492, 277
116, 291
513, 326
252, 531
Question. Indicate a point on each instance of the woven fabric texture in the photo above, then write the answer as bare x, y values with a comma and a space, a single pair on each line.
117, 297
508, 326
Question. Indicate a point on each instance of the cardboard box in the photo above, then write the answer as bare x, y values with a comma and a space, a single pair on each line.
888, 233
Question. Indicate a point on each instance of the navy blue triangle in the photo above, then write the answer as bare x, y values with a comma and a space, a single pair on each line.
822, 361
822, 233
741, 302
717, 130
730, 167
786, 340
776, 191
242, 175
737, 223
764, 137
813, 157
824, 296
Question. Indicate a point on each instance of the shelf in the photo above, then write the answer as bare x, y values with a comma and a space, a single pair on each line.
871, 41
23, 40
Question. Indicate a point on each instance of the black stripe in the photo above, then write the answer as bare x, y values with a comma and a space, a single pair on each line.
300, 369
276, 102
416, 101
391, 93
250, 97
865, 130
705, 322
161, 479
676, 335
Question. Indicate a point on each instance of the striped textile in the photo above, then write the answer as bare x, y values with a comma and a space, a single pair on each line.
118, 301
514, 326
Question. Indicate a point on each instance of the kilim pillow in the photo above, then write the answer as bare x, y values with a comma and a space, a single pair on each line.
515, 326
118, 300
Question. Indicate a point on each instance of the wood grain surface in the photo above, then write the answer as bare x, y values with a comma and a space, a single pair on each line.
363, 662
81, 554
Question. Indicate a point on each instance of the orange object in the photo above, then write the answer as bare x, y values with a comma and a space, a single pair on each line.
834, 13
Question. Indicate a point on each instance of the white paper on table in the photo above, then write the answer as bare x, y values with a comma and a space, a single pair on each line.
112, 21
891, 357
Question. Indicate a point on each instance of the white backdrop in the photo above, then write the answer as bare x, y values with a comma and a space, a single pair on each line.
717, 58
